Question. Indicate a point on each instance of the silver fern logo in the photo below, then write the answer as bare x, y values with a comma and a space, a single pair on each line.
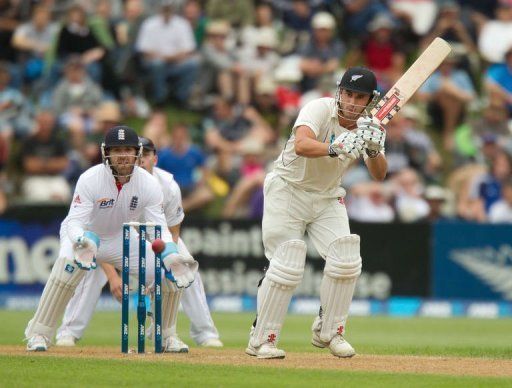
492, 266
356, 77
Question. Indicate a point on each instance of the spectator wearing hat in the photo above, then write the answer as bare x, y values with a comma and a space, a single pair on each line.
381, 52
44, 162
409, 202
448, 92
498, 82
75, 98
168, 48
369, 202
323, 53
436, 197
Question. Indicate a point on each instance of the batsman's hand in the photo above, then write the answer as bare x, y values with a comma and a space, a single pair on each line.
346, 145
179, 268
371, 132
116, 287
84, 250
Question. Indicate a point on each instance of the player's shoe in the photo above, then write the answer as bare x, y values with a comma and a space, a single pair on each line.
38, 343
174, 345
212, 343
66, 341
267, 350
338, 345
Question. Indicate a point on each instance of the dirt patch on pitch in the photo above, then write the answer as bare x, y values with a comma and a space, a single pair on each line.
456, 366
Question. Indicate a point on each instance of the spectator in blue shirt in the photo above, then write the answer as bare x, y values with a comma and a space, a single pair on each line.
498, 82
187, 163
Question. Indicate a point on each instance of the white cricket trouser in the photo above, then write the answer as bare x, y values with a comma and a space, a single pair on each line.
289, 212
81, 307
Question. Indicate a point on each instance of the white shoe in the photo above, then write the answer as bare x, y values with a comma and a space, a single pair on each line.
212, 343
338, 345
174, 345
38, 343
66, 341
265, 351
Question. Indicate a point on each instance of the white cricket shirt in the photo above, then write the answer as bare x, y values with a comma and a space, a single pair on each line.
173, 209
314, 174
99, 206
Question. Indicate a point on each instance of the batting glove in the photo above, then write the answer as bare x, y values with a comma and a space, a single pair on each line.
346, 145
370, 131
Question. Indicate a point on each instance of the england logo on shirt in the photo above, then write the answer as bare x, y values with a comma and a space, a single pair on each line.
134, 202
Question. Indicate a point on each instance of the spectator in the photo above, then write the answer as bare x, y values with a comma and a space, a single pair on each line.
297, 24
76, 38
436, 197
33, 39
323, 53
264, 22
496, 35
421, 15
156, 128
10, 16
75, 99
409, 203
501, 210
382, 53
44, 161
498, 82
358, 14
406, 146
369, 202
166, 42
238, 13
193, 12
448, 92
228, 127
246, 199
185, 161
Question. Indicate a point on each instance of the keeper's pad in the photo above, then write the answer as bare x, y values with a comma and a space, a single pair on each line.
59, 289
284, 274
171, 296
342, 268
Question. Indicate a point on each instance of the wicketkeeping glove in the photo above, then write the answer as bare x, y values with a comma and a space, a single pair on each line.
369, 129
348, 144
84, 250
180, 269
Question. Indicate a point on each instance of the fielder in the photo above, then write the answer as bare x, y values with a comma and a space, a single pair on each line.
106, 196
303, 193
193, 299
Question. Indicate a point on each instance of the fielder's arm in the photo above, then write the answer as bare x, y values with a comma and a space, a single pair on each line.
114, 281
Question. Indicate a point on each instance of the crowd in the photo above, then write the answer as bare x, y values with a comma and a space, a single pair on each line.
242, 69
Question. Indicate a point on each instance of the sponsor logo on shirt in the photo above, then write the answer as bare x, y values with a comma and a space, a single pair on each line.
134, 202
76, 201
106, 203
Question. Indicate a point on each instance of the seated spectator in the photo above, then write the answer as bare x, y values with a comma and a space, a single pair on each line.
168, 48
486, 189
156, 128
264, 21
10, 19
460, 182
75, 98
358, 14
76, 38
186, 161
254, 64
193, 12
420, 14
369, 202
44, 162
382, 52
498, 82
297, 23
14, 109
501, 210
33, 39
228, 127
495, 36
323, 53
409, 202
238, 13
246, 199
436, 197
448, 92
406, 146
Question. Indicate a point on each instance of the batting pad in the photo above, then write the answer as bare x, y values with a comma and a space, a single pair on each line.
284, 274
171, 297
59, 289
342, 268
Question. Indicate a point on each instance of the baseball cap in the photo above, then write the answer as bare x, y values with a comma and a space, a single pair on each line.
359, 79
121, 136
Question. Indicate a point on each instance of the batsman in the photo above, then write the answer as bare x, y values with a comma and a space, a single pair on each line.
106, 196
304, 193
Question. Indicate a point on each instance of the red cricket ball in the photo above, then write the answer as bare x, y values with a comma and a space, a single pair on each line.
158, 245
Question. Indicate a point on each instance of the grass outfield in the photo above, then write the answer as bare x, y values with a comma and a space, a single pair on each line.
489, 339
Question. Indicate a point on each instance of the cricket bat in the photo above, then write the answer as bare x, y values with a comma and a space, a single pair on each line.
411, 81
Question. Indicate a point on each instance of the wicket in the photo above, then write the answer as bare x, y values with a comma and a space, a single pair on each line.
141, 299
